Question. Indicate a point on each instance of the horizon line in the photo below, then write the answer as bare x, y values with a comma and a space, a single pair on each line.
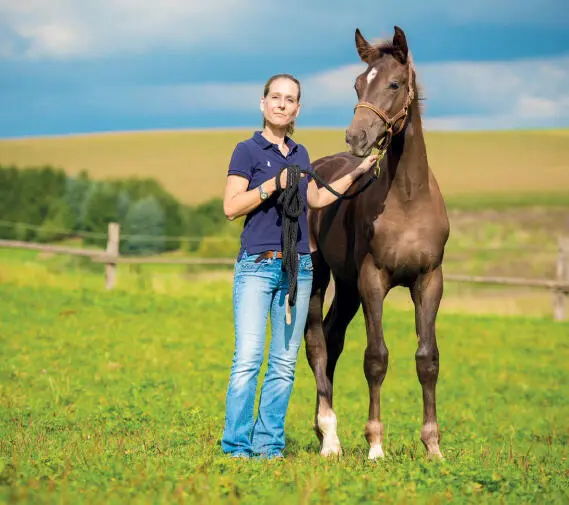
252, 128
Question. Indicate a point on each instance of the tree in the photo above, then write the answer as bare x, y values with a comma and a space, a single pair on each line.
204, 220
100, 209
36, 192
146, 221
76, 191
137, 189
57, 225
9, 177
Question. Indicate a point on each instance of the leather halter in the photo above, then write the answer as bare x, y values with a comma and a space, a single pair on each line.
391, 122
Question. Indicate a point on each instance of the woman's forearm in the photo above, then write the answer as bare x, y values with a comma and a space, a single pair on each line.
325, 197
243, 203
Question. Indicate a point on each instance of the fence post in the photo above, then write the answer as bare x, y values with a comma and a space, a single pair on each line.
560, 295
113, 250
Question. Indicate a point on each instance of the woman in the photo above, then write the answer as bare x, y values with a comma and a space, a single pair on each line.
260, 284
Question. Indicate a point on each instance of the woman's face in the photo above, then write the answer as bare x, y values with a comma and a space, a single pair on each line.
281, 107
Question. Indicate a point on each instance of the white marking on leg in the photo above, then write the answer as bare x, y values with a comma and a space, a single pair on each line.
376, 451
330, 441
374, 436
371, 75
430, 437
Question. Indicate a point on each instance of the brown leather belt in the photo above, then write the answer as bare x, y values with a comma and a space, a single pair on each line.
269, 254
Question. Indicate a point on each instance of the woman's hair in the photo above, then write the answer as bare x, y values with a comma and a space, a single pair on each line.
290, 128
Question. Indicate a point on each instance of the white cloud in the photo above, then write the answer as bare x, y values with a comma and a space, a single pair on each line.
502, 94
173, 100
485, 95
459, 96
523, 93
70, 28
326, 90
334, 88
490, 122
79, 28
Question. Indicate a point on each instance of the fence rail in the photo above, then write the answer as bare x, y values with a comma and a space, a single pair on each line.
110, 258
510, 281
74, 251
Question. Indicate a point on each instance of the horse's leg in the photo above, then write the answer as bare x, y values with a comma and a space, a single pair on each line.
426, 293
344, 306
316, 342
374, 285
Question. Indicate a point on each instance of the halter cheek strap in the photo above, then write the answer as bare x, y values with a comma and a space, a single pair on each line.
391, 122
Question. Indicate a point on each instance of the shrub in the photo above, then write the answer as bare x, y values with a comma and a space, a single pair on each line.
145, 218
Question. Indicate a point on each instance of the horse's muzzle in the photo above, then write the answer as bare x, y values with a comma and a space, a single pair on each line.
359, 143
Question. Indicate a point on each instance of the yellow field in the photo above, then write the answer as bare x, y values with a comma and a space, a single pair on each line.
192, 164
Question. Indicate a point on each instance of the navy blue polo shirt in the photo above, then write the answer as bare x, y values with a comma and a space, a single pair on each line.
258, 160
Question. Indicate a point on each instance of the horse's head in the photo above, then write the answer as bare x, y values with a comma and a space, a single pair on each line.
385, 91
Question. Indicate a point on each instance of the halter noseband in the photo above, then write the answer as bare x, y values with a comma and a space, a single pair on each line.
390, 122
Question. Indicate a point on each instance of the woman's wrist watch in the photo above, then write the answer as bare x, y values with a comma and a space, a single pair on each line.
262, 192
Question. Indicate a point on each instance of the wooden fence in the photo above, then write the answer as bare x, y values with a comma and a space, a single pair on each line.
111, 258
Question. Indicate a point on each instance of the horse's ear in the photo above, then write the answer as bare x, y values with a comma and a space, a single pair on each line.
400, 49
366, 51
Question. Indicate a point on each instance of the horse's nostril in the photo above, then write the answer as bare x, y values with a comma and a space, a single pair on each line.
358, 137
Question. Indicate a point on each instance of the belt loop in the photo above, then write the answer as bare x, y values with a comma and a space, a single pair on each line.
274, 255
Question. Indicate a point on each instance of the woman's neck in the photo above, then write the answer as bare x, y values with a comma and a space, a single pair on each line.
274, 135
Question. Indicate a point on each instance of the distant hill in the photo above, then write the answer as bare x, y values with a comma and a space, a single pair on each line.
192, 164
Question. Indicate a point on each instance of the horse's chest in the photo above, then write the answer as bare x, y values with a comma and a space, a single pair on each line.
408, 242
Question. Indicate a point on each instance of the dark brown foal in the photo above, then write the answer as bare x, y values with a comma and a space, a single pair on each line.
392, 234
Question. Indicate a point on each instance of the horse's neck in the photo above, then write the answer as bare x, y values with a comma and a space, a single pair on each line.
407, 159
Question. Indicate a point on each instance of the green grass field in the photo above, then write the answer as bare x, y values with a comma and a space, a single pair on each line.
474, 169
118, 397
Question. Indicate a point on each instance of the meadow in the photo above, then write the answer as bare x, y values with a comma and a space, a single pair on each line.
118, 397
474, 169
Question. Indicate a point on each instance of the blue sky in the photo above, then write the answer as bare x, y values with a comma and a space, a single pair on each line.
75, 66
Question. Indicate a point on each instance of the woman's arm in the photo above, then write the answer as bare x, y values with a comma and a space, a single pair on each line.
321, 197
238, 202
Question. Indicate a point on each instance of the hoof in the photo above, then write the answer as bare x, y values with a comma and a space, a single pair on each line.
376, 452
435, 454
331, 451
330, 442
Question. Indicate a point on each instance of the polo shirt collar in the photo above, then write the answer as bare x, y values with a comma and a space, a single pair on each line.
265, 144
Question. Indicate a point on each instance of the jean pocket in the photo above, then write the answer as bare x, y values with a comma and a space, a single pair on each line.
251, 263
305, 264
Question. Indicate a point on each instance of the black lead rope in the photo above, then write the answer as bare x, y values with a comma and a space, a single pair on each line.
292, 205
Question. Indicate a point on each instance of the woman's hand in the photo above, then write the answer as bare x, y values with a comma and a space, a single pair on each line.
273, 182
364, 166
284, 175
270, 186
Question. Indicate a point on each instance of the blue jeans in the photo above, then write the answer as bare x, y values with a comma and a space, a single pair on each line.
260, 289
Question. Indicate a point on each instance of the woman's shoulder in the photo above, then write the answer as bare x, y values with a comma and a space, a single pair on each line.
246, 144
243, 146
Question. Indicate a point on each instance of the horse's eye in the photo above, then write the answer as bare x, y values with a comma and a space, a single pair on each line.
393, 85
